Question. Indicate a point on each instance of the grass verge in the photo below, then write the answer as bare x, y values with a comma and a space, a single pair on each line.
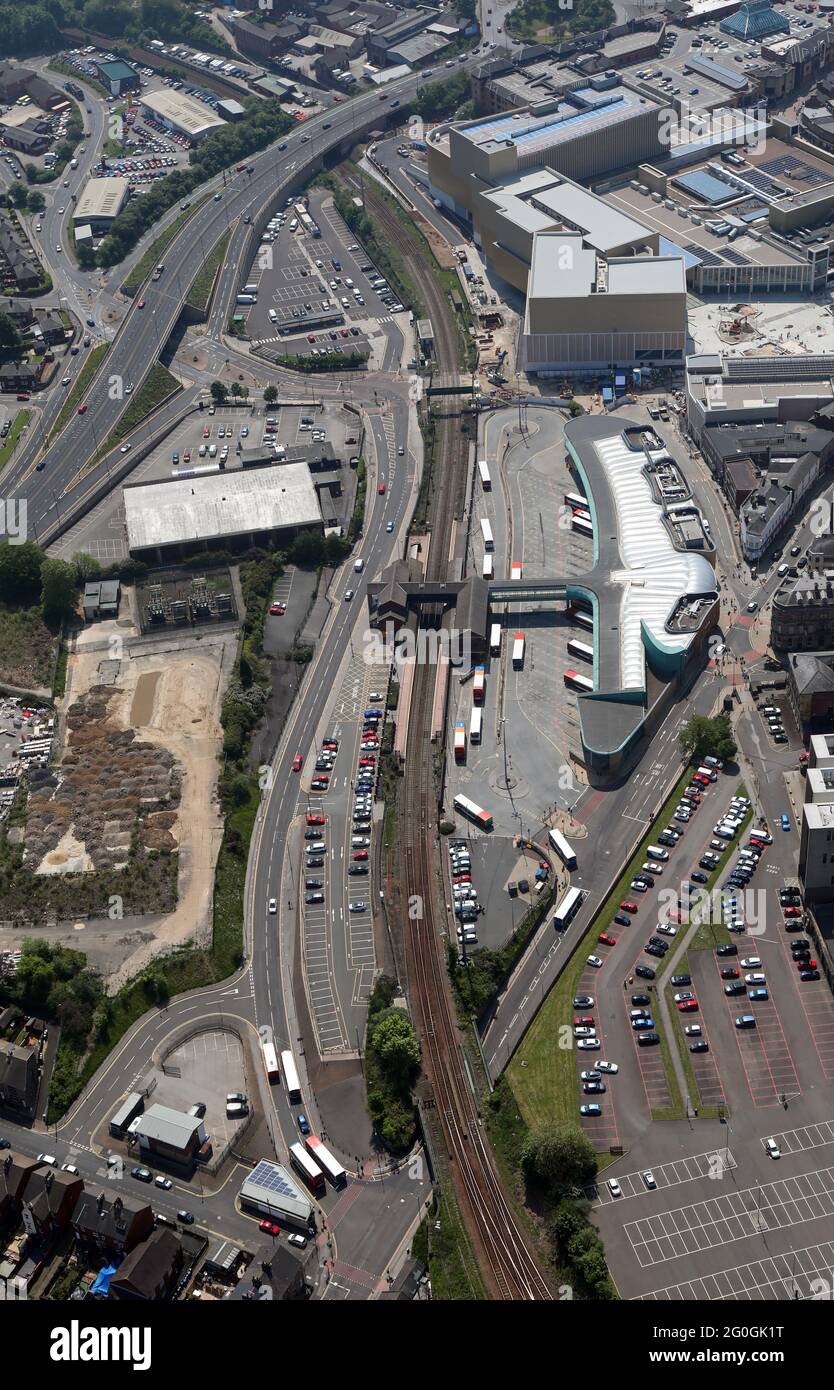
158, 385
19, 423
203, 282
82, 381
442, 1245
545, 1086
151, 257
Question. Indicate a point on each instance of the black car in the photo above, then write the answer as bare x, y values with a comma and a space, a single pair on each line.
312, 834
668, 840
4, 1144
646, 878
705, 864
681, 979
648, 1039
809, 974
314, 897
654, 951
185, 1217
729, 950
621, 920
313, 883
315, 861
645, 972
737, 988
699, 1046
638, 999
358, 870
698, 877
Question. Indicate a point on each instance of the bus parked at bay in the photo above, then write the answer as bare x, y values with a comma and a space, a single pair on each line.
486, 532
291, 1085
488, 567
495, 639
460, 742
574, 500
476, 724
580, 616
563, 848
483, 471
518, 651
473, 812
580, 649
479, 685
515, 571
582, 524
567, 908
307, 1168
577, 682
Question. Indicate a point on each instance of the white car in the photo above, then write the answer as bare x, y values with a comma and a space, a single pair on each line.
693, 1030
163, 1182
614, 1188
582, 1031
755, 978
273, 905
666, 929
589, 1044
773, 1148
649, 1179
595, 962
610, 1067
750, 962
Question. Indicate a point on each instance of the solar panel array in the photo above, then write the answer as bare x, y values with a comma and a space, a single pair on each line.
756, 179
797, 168
736, 257
273, 1179
813, 368
704, 256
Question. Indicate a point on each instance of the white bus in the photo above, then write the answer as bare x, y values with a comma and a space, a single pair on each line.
577, 682
486, 532
567, 907
270, 1057
324, 1158
562, 848
293, 1089
495, 640
515, 571
580, 649
476, 724
303, 1164
518, 651
580, 524
483, 470
488, 568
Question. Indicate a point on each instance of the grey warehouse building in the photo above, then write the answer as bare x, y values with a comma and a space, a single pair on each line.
169, 519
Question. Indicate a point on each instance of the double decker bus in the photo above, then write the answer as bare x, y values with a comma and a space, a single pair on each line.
580, 649
325, 1160
483, 471
270, 1057
291, 1085
562, 848
567, 908
473, 812
307, 1168
577, 682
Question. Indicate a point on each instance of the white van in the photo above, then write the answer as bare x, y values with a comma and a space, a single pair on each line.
655, 852
294, 225
273, 317
358, 566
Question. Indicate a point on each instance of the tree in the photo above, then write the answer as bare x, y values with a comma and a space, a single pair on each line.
704, 736
271, 395
87, 567
20, 571
236, 389
562, 1159
395, 1043
219, 392
9, 337
59, 588
37, 202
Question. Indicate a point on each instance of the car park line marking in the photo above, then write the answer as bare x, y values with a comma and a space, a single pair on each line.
775, 1278
732, 1216
670, 1174
794, 1141
815, 995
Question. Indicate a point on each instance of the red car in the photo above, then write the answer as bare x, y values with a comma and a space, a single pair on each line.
206, 431
628, 906
186, 456
360, 854
330, 743
296, 763
82, 409
792, 911
367, 761
688, 1006
311, 337
314, 819
585, 1021
729, 973
141, 304
807, 965
381, 489
269, 1228
606, 939
279, 608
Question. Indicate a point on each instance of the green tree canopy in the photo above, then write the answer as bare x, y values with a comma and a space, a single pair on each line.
219, 392
20, 571
271, 395
9, 337
562, 1159
395, 1043
59, 588
704, 736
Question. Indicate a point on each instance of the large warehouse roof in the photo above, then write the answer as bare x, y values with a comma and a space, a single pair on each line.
101, 198
182, 111
210, 507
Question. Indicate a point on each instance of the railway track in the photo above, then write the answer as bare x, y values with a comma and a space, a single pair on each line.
509, 1269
